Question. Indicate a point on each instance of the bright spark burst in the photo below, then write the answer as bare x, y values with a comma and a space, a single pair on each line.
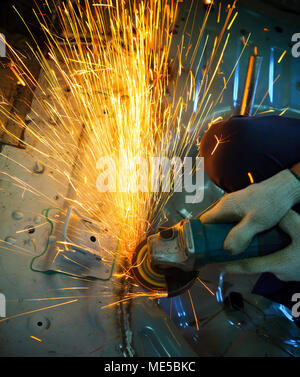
114, 60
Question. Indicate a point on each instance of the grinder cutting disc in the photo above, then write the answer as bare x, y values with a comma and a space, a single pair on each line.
171, 281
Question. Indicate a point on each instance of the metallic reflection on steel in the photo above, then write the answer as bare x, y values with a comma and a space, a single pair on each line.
154, 334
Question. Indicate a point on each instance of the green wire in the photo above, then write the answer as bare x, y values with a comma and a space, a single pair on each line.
45, 213
48, 272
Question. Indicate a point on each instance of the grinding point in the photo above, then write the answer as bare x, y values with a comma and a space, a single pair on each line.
171, 281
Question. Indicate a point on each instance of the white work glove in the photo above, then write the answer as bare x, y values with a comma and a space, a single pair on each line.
285, 264
258, 207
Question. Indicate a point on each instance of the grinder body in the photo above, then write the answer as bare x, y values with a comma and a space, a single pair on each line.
168, 261
209, 240
190, 245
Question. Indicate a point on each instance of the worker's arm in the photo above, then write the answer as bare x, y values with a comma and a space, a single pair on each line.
259, 207
285, 264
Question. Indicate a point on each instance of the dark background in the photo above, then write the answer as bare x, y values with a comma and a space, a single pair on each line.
10, 21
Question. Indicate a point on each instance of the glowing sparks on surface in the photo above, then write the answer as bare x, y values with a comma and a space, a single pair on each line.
232, 21
134, 296
283, 111
206, 287
36, 310
20, 80
219, 141
194, 312
267, 92
266, 112
281, 56
107, 77
219, 118
35, 338
115, 66
219, 12
117, 84
251, 178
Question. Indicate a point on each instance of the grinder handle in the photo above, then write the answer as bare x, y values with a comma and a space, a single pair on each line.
209, 240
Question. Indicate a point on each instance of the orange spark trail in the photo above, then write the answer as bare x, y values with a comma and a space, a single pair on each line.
36, 310
281, 57
195, 316
35, 338
251, 178
205, 286
264, 97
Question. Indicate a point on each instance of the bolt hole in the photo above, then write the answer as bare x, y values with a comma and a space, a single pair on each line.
40, 323
30, 229
93, 238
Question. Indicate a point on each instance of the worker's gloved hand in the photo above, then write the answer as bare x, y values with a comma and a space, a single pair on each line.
258, 207
285, 264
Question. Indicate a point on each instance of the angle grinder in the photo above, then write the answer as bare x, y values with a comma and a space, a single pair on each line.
168, 262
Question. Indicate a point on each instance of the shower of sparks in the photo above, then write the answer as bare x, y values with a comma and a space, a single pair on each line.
14, 248
108, 75
132, 296
114, 60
